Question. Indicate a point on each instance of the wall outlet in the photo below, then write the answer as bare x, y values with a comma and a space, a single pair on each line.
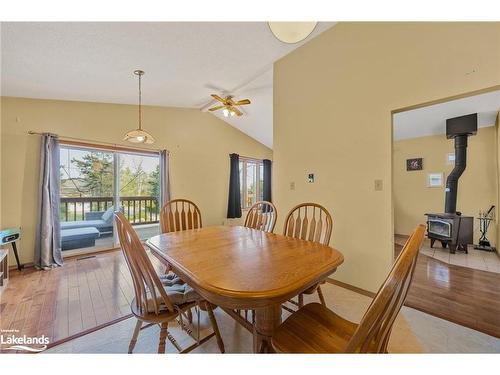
292, 185
310, 178
378, 185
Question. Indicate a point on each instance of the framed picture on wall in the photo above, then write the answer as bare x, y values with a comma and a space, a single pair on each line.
414, 164
434, 180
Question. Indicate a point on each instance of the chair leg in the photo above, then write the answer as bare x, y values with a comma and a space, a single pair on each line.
163, 336
137, 329
301, 300
215, 327
321, 296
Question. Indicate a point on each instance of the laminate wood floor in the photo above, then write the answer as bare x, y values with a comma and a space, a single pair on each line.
413, 332
86, 293
89, 293
466, 296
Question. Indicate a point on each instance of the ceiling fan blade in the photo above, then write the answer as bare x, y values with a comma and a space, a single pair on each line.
216, 108
236, 110
217, 97
243, 102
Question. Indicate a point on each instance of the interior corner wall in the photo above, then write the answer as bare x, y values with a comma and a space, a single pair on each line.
477, 187
497, 211
199, 145
333, 99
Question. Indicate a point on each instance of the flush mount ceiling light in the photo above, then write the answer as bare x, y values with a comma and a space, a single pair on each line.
292, 32
138, 135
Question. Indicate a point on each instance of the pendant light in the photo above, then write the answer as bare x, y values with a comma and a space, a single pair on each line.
138, 135
291, 32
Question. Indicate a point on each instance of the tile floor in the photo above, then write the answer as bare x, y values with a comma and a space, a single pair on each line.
414, 332
477, 259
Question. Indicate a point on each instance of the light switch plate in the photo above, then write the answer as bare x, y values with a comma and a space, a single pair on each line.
310, 178
292, 185
378, 185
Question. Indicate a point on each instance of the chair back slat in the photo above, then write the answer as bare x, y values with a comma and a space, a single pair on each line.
150, 296
312, 228
262, 216
183, 218
178, 215
190, 218
309, 221
177, 218
373, 332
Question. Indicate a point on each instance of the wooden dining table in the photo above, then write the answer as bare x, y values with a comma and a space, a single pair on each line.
239, 268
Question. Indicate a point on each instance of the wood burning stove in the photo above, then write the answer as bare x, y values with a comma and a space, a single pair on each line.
451, 228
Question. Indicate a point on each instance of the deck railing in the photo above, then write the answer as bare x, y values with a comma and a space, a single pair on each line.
138, 210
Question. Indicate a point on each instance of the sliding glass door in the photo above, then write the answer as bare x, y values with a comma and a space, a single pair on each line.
139, 192
96, 182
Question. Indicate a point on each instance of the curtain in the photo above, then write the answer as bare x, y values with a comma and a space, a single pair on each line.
266, 193
164, 178
48, 231
234, 200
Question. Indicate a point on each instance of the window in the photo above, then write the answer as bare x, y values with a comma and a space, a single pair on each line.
251, 181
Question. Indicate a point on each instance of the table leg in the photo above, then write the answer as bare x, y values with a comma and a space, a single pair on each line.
14, 249
267, 319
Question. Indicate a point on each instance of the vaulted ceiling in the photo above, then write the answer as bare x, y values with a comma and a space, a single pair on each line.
184, 62
431, 120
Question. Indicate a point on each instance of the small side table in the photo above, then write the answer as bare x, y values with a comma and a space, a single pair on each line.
4, 268
10, 236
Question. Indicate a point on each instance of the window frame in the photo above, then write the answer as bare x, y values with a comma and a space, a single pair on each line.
243, 180
116, 152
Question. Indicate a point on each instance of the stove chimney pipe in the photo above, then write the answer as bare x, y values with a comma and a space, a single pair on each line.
458, 128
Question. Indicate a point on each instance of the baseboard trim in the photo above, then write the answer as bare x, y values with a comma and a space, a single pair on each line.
351, 287
87, 331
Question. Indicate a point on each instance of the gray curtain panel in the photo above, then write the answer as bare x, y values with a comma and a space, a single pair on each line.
164, 177
48, 234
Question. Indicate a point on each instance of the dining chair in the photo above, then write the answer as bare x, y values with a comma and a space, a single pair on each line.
316, 329
310, 222
155, 303
262, 216
179, 214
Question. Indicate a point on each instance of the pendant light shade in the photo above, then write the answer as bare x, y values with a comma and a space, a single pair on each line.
291, 32
138, 135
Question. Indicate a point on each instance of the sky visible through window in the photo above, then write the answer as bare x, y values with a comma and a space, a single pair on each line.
149, 163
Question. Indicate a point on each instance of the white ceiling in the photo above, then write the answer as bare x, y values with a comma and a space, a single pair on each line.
431, 120
184, 63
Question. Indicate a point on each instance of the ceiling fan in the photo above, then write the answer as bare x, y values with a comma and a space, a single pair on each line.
229, 106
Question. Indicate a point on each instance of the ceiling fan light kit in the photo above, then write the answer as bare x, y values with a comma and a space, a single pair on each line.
292, 32
228, 105
138, 135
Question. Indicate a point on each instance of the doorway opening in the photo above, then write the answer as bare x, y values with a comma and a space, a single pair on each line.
445, 160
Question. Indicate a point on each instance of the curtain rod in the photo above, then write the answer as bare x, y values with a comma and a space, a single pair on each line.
246, 157
31, 132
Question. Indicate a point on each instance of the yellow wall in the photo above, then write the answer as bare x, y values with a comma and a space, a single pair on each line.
333, 99
477, 188
199, 144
